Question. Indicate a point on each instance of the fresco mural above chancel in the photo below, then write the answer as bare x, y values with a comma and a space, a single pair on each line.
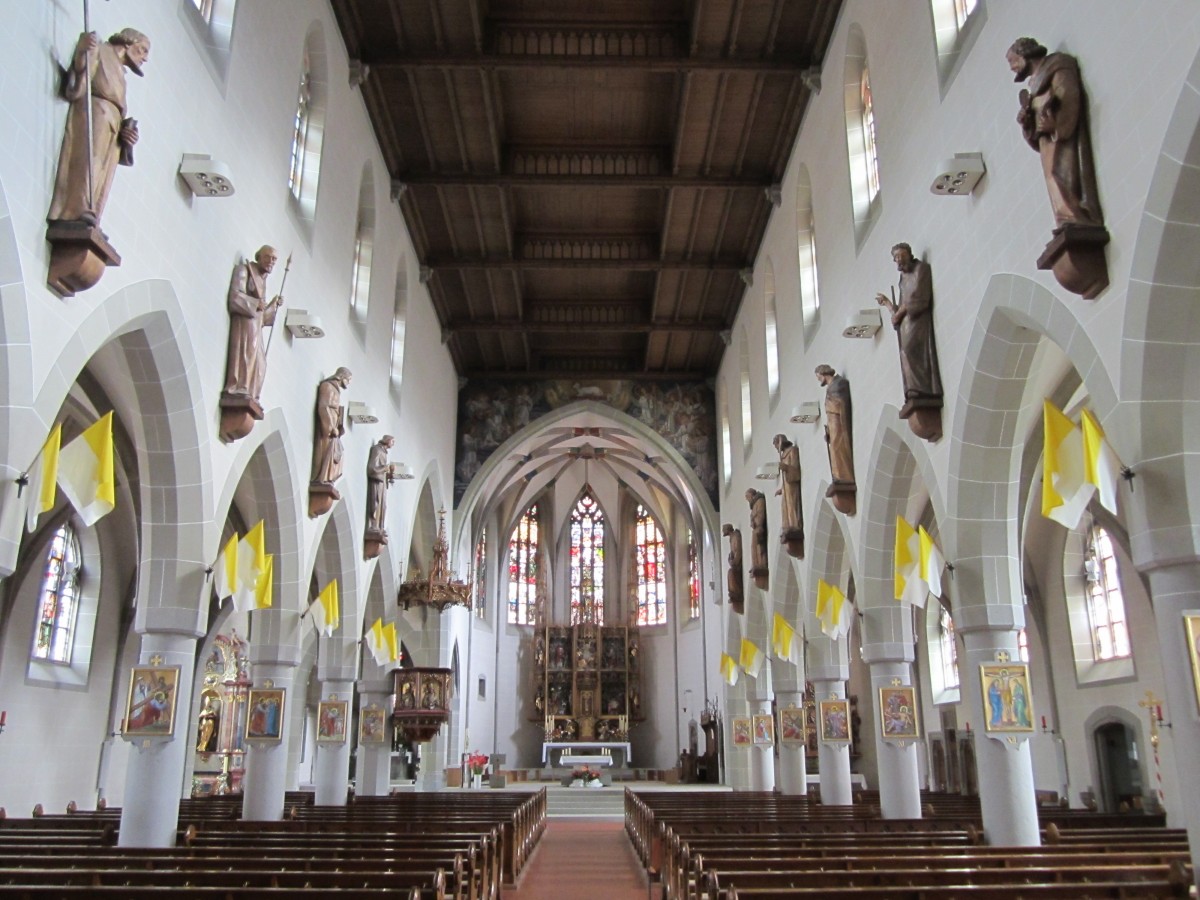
490, 412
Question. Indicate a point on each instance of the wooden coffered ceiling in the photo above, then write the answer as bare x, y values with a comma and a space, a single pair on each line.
586, 181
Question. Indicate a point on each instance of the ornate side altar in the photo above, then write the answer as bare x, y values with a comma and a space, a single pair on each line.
218, 764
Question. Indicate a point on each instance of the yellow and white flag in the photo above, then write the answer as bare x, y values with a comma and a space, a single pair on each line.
225, 571
251, 564
391, 642
43, 481
1065, 489
324, 611
1101, 466
932, 563
783, 640
264, 589
85, 471
752, 658
832, 610
908, 586
377, 643
729, 669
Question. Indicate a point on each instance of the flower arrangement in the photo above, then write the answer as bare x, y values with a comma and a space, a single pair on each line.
477, 762
585, 774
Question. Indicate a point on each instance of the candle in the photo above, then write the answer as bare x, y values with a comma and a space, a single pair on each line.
1043, 723
3, 716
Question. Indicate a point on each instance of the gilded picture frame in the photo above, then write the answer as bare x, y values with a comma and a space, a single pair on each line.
764, 729
791, 727
835, 721
153, 699
1007, 700
264, 714
331, 721
372, 725
898, 719
742, 731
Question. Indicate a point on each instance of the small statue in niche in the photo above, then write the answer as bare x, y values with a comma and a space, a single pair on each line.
839, 439
758, 533
791, 510
734, 578
912, 317
1054, 122
329, 426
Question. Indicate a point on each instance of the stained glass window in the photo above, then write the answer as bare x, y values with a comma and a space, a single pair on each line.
523, 569
1023, 645
587, 561
693, 577
1106, 605
59, 598
949, 647
651, 570
300, 131
868, 131
481, 574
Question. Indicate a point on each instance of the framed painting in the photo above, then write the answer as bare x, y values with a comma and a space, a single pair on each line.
791, 726
898, 713
372, 725
742, 731
331, 721
764, 729
1007, 702
835, 721
264, 721
150, 709
1191, 627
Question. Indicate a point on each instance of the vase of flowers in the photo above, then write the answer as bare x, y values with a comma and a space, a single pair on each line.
476, 763
585, 776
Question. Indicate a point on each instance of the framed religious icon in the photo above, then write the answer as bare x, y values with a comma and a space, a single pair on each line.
791, 726
742, 731
835, 721
1191, 627
150, 709
264, 719
1007, 702
331, 721
764, 729
372, 725
898, 713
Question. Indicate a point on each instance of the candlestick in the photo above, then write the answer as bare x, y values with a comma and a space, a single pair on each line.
1043, 723
3, 717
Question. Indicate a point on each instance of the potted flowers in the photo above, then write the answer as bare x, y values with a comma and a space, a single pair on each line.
476, 763
584, 776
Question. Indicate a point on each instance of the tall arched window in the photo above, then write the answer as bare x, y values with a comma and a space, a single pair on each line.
587, 561
949, 648
523, 569
59, 604
205, 8
693, 577
481, 574
744, 382
806, 253
870, 150
726, 441
300, 127
771, 332
308, 128
651, 570
1106, 605
861, 134
399, 314
956, 24
364, 241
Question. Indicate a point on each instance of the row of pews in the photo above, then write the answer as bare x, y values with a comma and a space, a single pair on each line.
412, 846
726, 846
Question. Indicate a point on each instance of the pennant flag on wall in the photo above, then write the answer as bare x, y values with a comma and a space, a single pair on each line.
1065, 490
264, 589
43, 483
908, 587
831, 610
226, 569
752, 658
932, 563
85, 472
324, 611
1101, 466
377, 643
729, 669
251, 564
783, 640
391, 642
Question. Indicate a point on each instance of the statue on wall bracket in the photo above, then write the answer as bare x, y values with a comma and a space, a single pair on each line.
912, 317
246, 357
1054, 121
734, 583
759, 570
329, 426
791, 509
380, 475
98, 138
839, 440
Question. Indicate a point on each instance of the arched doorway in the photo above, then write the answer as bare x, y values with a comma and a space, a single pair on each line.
1119, 775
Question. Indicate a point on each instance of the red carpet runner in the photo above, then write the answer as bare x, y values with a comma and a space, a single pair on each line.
582, 861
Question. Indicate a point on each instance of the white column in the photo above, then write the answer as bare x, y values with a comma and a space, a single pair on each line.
762, 756
332, 771
899, 774
833, 758
791, 773
373, 771
265, 782
150, 809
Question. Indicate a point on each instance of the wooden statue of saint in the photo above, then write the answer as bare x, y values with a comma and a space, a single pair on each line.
329, 426
759, 569
840, 439
734, 584
791, 509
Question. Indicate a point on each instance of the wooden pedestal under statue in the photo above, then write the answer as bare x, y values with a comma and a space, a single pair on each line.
238, 415
373, 543
1076, 257
793, 540
321, 497
844, 497
924, 417
79, 254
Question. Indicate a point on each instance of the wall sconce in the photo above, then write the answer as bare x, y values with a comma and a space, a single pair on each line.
863, 324
206, 176
806, 413
957, 177
361, 413
402, 472
767, 472
301, 325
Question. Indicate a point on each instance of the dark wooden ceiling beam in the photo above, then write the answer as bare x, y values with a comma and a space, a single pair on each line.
465, 327
504, 62
451, 264
631, 372
574, 179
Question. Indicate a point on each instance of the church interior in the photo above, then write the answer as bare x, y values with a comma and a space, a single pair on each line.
765, 405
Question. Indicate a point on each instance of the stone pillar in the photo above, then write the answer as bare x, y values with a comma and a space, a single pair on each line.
1173, 591
833, 758
899, 773
762, 756
737, 759
1006, 789
791, 768
265, 781
150, 808
373, 770
332, 770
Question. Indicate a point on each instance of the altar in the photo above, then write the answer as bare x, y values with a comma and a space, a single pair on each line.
582, 753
